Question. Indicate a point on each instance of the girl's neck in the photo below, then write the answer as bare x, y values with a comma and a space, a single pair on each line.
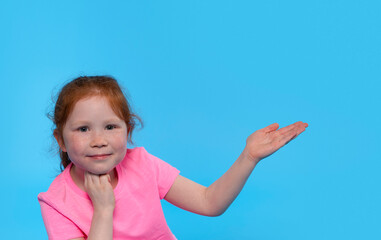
77, 175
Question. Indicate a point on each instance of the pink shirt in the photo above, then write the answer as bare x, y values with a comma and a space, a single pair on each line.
143, 180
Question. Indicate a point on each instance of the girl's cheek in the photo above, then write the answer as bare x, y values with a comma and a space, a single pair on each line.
121, 140
77, 143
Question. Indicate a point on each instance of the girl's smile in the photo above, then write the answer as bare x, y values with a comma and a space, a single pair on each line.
94, 137
99, 156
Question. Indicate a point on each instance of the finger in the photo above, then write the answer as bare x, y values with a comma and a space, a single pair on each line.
88, 182
299, 127
87, 177
105, 178
292, 134
289, 127
94, 178
290, 139
271, 127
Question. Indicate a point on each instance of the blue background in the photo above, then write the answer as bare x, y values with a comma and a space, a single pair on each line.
204, 75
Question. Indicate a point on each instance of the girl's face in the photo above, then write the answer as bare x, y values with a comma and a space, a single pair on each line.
94, 137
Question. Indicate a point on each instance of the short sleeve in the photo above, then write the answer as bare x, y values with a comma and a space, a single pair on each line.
165, 174
58, 226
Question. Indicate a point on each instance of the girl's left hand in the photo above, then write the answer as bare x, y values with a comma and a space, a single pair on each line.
266, 141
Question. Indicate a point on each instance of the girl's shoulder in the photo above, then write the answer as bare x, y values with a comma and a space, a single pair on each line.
136, 156
57, 187
135, 151
140, 158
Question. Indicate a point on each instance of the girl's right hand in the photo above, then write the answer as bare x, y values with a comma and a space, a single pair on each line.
100, 191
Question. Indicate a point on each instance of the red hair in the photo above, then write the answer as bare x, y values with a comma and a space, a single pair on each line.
88, 86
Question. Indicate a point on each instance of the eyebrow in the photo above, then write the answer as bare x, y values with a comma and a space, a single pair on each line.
81, 122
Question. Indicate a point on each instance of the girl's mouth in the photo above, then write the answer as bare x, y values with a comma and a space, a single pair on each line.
99, 156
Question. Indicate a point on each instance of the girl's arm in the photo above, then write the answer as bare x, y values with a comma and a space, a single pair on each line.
101, 193
215, 199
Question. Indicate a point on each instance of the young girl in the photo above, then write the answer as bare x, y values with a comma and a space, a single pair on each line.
107, 191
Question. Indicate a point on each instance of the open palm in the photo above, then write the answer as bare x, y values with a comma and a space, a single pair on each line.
266, 141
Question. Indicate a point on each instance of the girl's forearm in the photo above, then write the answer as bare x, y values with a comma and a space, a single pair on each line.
222, 192
101, 225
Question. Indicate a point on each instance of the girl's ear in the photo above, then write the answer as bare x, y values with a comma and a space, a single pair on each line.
59, 140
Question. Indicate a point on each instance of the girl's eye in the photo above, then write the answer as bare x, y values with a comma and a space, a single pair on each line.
110, 127
82, 129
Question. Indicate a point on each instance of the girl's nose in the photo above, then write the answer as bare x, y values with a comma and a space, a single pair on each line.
98, 141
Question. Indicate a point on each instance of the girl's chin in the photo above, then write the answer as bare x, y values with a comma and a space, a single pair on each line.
95, 171
100, 171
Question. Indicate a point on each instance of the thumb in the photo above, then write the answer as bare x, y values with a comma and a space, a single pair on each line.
271, 127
